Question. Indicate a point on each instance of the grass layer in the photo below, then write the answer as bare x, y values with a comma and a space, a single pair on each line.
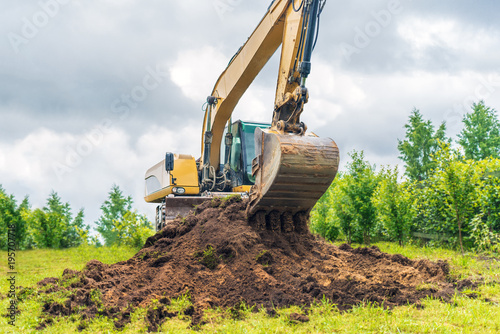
480, 314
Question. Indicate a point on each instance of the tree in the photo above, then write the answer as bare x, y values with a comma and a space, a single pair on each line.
395, 206
27, 234
34, 234
358, 191
322, 220
81, 228
58, 217
480, 137
421, 141
119, 224
10, 216
113, 209
50, 227
78, 231
486, 224
133, 229
56, 222
490, 193
53, 226
342, 206
460, 202
458, 181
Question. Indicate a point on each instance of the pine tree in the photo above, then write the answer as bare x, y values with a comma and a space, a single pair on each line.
480, 137
113, 209
421, 142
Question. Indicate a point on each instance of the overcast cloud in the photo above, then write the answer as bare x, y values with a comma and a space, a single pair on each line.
92, 93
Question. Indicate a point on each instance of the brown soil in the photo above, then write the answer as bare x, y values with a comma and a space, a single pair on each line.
220, 259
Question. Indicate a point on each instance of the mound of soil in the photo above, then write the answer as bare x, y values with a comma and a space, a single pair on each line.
220, 259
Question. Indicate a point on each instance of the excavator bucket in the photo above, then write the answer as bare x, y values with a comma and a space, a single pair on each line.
291, 173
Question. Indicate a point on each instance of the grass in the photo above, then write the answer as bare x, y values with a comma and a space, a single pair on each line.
463, 315
35, 265
208, 257
470, 265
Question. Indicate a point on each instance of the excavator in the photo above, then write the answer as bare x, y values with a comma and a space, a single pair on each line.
281, 167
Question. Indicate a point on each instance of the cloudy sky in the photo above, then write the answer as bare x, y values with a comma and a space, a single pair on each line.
92, 93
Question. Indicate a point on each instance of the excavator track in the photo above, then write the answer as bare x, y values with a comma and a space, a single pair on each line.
291, 173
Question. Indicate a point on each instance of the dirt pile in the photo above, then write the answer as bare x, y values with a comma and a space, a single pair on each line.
220, 259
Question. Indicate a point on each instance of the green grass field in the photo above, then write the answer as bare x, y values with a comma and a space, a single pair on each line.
464, 315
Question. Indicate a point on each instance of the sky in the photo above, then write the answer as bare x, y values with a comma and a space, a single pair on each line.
93, 93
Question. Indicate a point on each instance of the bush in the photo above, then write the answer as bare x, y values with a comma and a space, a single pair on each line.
347, 207
132, 230
395, 206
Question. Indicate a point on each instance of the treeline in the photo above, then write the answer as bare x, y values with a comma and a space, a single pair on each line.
448, 195
55, 226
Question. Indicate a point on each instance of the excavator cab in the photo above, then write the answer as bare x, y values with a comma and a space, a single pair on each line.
242, 152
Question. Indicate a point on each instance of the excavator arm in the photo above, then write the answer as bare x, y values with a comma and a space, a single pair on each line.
247, 63
293, 168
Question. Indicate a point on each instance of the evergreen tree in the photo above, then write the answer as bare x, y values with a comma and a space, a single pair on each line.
421, 142
480, 137
57, 220
113, 209
10, 216
77, 233
359, 190
25, 213
53, 226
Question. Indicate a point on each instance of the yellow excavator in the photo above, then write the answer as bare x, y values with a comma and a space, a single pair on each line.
281, 167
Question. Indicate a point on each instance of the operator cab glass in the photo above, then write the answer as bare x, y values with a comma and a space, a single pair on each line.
248, 140
243, 149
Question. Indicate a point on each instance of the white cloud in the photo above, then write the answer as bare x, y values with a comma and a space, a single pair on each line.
27, 161
450, 34
195, 71
160, 139
331, 93
422, 33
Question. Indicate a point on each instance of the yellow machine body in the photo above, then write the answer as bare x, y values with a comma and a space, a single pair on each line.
161, 183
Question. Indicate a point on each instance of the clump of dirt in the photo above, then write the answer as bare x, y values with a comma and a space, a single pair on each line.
219, 259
